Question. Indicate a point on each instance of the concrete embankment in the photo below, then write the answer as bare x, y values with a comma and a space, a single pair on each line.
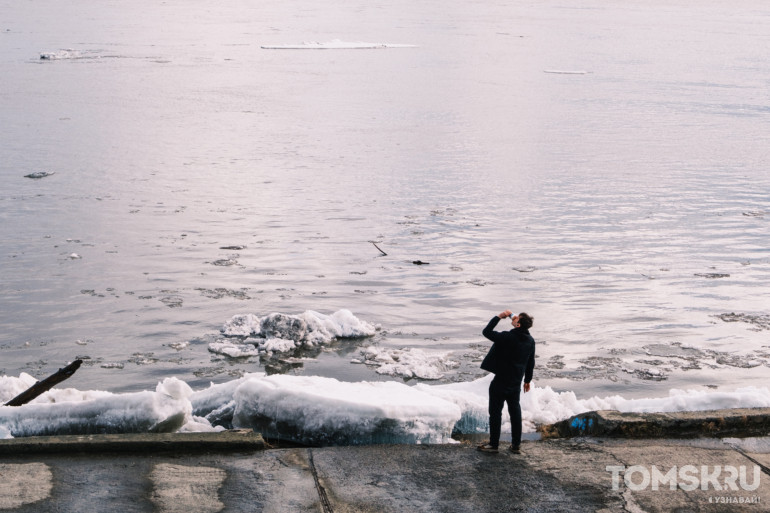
233, 440
238, 471
737, 422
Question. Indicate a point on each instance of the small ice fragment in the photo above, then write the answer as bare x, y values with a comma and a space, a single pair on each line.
566, 72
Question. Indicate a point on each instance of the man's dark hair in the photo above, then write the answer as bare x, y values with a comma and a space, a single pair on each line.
525, 320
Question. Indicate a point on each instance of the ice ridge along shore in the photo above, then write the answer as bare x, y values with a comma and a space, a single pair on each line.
320, 411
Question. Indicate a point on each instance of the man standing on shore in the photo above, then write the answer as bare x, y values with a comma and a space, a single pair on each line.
511, 359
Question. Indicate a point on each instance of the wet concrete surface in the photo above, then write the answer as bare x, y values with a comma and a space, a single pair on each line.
583, 474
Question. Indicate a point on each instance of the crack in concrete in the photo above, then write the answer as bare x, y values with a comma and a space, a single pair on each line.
627, 496
325, 504
764, 468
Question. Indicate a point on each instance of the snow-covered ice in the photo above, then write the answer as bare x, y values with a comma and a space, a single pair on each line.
319, 410
69, 411
325, 411
279, 332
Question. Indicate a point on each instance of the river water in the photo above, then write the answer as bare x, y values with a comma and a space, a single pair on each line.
600, 165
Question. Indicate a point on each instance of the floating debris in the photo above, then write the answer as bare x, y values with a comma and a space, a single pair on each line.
712, 276
378, 248
39, 174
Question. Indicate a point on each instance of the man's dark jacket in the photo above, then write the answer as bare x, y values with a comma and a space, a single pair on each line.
512, 354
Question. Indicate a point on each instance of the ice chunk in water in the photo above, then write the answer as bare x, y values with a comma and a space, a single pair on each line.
280, 332
243, 325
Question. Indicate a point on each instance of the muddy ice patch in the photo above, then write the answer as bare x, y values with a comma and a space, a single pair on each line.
690, 358
652, 362
755, 322
219, 293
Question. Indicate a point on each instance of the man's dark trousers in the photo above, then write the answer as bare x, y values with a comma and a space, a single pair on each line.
505, 389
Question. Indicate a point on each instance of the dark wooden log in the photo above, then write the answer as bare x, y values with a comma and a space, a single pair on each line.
376, 246
44, 386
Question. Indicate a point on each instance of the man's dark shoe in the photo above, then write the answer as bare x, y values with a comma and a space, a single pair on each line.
515, 449
487, 448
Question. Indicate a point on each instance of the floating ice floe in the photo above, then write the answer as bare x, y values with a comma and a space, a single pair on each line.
279, 332
233, 350
69, 53
408, 362
335, 44
60, 54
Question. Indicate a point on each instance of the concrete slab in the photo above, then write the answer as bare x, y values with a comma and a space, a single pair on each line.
669, 476
564, 475
451, 478
187, 489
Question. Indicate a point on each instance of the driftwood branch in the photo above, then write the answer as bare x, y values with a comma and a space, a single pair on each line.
381, 251
44, 386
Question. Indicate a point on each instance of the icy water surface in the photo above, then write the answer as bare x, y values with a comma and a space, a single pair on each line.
602, 166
